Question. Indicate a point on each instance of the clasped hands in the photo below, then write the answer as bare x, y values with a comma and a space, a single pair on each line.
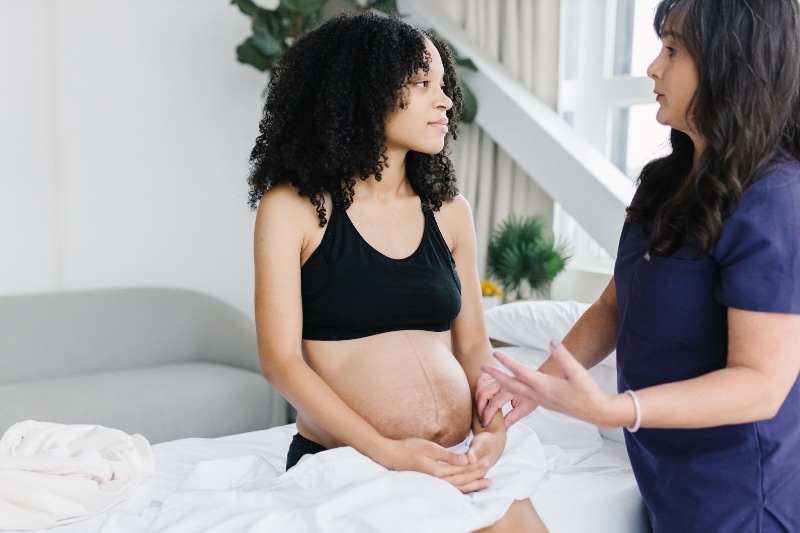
466, 471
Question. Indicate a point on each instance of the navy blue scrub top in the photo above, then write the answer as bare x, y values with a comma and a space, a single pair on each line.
673, 327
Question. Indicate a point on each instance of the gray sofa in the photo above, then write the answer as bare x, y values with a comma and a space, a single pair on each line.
164, 363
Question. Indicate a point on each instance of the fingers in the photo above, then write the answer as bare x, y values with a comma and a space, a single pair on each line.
461, 474
464, 471
469, 482
480, 457
446, 456
485, 389
517, 413
495, 404
513, 365
512, 383
478, 484
489, 410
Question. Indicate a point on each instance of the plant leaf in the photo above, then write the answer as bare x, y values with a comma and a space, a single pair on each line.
465, 62
310, 22
248, 7
387, 6
304, 7
521, 252
469, 104
249, 54
268, 33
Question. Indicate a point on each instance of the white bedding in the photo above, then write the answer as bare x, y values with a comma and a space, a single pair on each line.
336, 491
587, 486
56, 473
581, 476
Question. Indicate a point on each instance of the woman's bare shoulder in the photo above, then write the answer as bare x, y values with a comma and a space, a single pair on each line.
281, 194
284, 202
455, 212
454, 218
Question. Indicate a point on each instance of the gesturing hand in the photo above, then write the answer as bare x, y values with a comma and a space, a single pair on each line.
576, 394
490, 396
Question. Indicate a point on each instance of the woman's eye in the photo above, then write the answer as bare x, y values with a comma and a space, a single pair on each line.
421, 83
671, 50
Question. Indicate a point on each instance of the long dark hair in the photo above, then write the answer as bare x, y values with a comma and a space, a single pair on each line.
747, 105
323, 123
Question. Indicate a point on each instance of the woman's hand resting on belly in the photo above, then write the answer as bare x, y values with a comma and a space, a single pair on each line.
406, 384
410, 388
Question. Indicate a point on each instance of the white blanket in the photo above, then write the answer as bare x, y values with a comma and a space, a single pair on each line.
52, 474
338, 491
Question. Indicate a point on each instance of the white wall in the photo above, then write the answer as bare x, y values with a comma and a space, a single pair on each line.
125, 129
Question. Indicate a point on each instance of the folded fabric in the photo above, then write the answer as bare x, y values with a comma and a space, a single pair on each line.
53, 474
336, 491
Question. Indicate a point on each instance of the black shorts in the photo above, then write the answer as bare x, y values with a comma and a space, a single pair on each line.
299, 447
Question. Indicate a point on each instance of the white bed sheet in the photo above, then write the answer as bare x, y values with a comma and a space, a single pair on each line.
588, 484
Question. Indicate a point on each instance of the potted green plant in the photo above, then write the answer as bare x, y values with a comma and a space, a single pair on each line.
523, 257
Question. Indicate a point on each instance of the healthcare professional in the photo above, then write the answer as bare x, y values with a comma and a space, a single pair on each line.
704, 305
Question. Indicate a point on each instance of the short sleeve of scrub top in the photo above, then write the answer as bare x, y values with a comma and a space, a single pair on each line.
759, 251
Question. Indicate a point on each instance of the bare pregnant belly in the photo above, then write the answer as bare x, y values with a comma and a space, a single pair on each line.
404, 383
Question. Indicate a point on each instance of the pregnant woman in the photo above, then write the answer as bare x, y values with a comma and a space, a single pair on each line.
367, 293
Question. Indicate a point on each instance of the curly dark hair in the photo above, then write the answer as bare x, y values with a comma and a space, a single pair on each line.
323, 122
747, 105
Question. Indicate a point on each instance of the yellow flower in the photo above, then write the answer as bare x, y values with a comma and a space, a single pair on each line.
490, 288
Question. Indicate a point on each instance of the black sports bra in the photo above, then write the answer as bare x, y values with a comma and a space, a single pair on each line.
350, 290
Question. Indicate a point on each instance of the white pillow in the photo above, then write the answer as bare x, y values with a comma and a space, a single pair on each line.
534, 323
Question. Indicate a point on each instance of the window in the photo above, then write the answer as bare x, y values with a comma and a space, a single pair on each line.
605, 95
635, 135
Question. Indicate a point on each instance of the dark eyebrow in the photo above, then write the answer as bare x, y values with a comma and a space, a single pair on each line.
675, 35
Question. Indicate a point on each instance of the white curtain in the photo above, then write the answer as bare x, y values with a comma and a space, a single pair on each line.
523, 36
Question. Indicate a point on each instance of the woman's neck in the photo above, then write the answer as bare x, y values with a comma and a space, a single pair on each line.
393, 181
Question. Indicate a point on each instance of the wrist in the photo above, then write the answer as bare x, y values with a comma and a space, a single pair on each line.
379, 449
496, 425
637, 410
620, 411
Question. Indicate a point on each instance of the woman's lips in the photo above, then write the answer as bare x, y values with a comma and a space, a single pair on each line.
441, 125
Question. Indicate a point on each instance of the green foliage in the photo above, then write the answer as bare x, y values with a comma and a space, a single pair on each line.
274, 30
387, 6
469, 104
523, 255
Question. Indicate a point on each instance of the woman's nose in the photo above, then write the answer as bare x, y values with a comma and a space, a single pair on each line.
444, 100
653, 71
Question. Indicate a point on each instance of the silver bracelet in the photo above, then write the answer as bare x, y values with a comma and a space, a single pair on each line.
638, 422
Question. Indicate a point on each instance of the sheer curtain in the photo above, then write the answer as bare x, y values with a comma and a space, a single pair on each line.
523, 36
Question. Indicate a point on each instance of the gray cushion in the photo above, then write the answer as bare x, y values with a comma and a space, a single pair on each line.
56, 334
161, 402
165, 363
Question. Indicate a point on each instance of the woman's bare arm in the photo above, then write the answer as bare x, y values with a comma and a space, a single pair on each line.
470, 342
594, 335
592, 338
284, 222
763, 365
